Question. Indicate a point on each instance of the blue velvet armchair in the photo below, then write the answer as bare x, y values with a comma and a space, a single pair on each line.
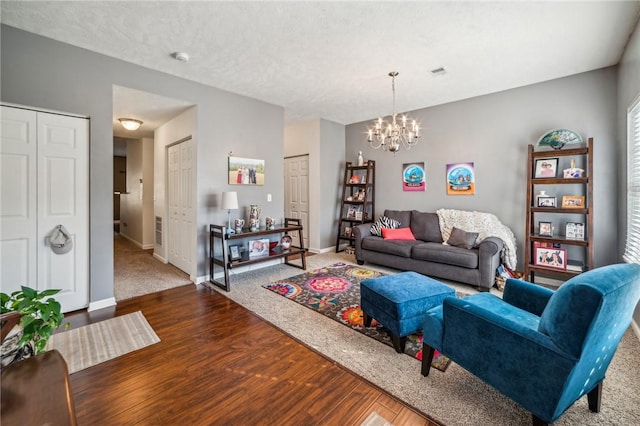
553, 347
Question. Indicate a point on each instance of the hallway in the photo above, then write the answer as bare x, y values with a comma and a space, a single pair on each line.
137, 272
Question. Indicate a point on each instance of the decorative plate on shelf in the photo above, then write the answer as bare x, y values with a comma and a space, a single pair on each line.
557, 138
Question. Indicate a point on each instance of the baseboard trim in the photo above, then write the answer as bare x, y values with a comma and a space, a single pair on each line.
101, 304
160, 258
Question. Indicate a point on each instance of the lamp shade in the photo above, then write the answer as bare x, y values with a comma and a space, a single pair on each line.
229, 200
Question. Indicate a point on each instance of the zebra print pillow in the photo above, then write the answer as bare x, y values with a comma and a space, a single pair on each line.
384, 222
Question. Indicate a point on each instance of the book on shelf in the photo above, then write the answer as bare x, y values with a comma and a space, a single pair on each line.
575, 265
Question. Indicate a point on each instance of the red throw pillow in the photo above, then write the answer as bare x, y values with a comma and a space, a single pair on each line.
397, 234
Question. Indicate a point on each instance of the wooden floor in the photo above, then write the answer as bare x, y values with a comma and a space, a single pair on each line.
219, 364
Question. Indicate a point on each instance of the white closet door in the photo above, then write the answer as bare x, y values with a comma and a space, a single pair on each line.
63, 199
45, 182
18, 238
181, 205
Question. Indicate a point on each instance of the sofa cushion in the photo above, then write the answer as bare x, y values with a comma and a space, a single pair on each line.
450, 255
425, 226
402, 216
462, 239
395, 247
397, 234
383, 222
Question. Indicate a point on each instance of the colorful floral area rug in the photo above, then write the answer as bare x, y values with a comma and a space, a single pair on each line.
334, 291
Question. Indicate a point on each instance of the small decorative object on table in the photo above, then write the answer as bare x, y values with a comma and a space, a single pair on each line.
270, 222
259, 248
239, 224
360, 159
285, 242
234, 252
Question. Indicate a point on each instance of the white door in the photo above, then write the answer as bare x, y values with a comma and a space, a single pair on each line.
296, 193
181, 205
18, 241
56, 188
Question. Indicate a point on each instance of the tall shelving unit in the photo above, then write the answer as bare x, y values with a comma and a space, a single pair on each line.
358, 195
577, 250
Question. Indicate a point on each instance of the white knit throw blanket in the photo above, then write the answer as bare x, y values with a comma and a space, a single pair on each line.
485, 224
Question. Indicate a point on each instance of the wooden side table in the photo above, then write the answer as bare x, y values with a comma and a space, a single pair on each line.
219, 248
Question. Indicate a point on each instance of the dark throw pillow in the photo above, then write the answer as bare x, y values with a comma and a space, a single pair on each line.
383, 222
462, 239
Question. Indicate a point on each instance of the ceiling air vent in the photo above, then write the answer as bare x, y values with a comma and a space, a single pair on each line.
438, 72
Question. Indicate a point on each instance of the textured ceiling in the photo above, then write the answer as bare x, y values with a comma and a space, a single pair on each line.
331, 59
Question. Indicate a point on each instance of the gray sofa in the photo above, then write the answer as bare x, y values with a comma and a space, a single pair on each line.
427, 254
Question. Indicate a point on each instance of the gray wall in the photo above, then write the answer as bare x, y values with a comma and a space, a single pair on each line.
43, 73
628, 91
493, 132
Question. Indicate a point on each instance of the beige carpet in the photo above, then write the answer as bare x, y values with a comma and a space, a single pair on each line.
92, 344
137, 272
455, 397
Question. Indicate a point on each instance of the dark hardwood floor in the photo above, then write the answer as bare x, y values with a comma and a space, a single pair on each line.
219, 364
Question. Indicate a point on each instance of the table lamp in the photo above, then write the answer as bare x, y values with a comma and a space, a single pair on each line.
229, 202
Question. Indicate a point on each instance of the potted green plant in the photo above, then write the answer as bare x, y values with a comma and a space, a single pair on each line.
41, 315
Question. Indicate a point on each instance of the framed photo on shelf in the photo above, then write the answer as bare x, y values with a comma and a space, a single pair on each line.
550, 258
347, 231
573, 201
545, 229
351, 213
546, 168
259, 248
358, 214
546, 201
574, 231
234, 253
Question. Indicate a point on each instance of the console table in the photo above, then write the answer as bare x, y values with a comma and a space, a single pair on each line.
219, 248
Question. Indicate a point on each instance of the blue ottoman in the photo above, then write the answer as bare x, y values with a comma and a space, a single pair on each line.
400, 301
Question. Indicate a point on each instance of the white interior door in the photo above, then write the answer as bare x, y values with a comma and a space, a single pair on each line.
18, 240
296, 193
181, 205
51, 188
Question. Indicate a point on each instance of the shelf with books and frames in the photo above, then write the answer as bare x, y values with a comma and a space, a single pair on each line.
357, 204
559, 223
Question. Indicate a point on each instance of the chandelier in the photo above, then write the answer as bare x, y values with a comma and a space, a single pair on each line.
389, 136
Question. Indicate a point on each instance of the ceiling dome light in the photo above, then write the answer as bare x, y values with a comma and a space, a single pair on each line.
130, 123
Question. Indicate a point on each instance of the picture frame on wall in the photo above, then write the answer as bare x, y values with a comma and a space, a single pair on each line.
246, 171
546, 168
554, 258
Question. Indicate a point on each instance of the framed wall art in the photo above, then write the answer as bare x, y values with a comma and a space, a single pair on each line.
246, 171
546, 168
461, 179
413, 177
